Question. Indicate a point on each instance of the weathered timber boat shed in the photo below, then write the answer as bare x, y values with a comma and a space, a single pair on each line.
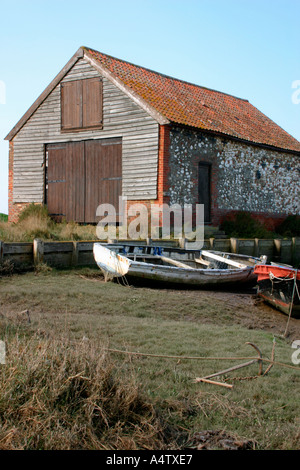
105, 128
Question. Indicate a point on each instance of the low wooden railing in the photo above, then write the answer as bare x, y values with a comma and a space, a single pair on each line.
64, 254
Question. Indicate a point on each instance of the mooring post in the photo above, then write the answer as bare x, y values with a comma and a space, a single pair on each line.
38, 251
234, 245
75, 253
277, 249
293, 250
256, 247
182, 243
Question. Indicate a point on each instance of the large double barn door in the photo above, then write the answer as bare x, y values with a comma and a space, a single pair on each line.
82, 175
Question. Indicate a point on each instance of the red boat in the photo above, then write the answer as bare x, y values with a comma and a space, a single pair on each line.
279, 285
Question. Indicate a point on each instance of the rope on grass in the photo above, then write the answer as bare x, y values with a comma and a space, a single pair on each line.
135, 353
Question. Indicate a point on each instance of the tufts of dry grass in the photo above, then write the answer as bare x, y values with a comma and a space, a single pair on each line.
34, 222
59, 394
73, 231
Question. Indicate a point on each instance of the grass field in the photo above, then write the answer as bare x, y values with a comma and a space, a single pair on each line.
63, 388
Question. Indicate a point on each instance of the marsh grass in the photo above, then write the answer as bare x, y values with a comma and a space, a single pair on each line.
36, 227
62, 388
34, 222
58, 393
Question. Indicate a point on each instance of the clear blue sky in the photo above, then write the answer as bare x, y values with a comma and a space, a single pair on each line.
248, 48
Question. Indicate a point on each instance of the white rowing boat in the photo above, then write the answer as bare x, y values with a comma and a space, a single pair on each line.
175, 265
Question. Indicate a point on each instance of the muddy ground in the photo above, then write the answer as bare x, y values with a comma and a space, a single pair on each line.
244, 306
80, 293
250, 311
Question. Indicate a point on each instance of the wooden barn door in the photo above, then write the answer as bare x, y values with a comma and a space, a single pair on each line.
56, 197
64, 182
82, 175
204, 189
75, 189
103, 169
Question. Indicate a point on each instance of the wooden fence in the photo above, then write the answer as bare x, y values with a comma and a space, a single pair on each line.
80, 253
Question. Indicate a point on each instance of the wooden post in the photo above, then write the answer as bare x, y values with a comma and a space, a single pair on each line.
1, 251
75, 253
293, 250
277, 249
256, 247
234, 245
182, 243
38, 251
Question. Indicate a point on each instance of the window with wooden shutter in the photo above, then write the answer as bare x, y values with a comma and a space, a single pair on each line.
81, 104
71, 105
92, 103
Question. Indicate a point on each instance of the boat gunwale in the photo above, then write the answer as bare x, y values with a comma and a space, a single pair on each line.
177, 274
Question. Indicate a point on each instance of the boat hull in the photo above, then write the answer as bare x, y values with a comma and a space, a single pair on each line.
279, 286
185, 277
110, 262
279, 304
118, 265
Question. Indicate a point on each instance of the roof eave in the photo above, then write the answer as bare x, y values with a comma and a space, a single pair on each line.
78, 54
160, 118
239, 139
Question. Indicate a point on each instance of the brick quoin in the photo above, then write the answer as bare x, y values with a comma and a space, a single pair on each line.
163, 164
162, 175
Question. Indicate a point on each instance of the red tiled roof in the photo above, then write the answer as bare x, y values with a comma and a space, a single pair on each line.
192, 105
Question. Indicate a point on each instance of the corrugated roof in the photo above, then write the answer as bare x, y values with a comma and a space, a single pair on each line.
193, 105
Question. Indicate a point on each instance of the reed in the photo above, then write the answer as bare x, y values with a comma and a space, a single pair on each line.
61, 394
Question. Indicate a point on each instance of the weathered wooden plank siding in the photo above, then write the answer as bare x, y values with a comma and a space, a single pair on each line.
121, 118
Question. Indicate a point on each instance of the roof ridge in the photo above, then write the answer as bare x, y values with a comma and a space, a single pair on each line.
164, 75
173, 106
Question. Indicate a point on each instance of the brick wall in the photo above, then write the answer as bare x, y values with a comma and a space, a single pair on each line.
162, 177
271, 222
163, 165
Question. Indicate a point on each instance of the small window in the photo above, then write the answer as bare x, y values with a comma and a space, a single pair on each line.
81, 104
